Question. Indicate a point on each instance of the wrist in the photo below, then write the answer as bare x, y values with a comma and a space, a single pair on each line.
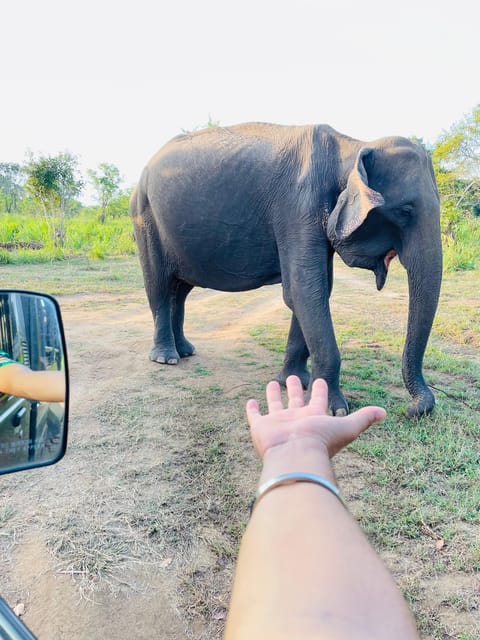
305, 454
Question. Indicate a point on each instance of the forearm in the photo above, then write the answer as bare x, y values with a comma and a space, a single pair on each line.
334, 586
45, 386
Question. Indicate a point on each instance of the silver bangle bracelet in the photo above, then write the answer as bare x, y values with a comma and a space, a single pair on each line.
291, 478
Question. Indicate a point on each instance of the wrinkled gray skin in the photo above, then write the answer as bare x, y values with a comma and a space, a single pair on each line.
235, 208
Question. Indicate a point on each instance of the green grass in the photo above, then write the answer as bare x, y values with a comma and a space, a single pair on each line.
84, 236
423, 471
463, 252
270, 336
77, 275
199, 370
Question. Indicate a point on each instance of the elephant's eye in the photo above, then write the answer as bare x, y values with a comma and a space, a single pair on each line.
406, 210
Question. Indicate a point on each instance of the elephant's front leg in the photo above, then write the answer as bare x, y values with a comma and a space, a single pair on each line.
296, 356
312, 313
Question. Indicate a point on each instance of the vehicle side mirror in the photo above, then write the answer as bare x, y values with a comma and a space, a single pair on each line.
33, 381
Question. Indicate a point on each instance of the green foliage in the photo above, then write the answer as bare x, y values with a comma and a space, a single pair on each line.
119, 206
458, 150
85, 235
11, 185
106, 182
462, 253
23, 229
456, 160
53, 180
53, 183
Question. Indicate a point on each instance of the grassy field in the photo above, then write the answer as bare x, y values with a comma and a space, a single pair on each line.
74, 276
84, 236
413, 485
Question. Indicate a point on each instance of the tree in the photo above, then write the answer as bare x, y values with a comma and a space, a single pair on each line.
106, 182
53, 183
11, 184
456, 159
119, 205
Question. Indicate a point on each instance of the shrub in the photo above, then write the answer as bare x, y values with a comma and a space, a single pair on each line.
461, 249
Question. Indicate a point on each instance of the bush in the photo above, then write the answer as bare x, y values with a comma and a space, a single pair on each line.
84, 236
23, 228
461, 248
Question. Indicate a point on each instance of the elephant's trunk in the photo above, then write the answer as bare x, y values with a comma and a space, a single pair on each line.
422, 258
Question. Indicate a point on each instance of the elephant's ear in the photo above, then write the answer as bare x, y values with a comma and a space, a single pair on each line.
354, 203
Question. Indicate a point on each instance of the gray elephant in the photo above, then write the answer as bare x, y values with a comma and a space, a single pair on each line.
235, 208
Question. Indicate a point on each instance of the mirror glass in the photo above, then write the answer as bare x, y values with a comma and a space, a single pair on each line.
33, 381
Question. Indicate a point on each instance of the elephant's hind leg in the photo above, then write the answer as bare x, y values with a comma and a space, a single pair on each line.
164, 350
158, 278
184, 347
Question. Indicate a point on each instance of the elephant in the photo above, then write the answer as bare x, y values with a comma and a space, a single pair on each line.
235, 208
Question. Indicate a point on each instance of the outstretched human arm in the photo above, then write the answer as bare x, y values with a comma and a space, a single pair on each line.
44, 386
305, 569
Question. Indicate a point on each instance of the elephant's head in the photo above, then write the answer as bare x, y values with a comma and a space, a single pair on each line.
390, 206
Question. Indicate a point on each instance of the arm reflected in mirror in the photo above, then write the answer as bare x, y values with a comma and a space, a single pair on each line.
33, 381
19, 380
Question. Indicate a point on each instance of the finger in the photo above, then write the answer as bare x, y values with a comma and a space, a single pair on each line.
252, 410
295, 393
274, 397
319, 396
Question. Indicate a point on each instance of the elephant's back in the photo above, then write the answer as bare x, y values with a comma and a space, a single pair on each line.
219, 173
212, 195
257, 139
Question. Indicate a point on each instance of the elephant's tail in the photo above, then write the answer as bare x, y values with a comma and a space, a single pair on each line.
139, 203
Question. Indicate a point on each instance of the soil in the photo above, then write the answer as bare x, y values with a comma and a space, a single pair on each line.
112, 542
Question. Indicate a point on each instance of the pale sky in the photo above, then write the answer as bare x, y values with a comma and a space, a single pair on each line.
113, 80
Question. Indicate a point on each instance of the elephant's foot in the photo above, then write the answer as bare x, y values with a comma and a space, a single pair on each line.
421, 405
164, 355
337, 405
302, 372
185, 348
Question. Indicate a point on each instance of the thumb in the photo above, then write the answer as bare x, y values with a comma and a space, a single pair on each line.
363, 418
360, 420
353, 425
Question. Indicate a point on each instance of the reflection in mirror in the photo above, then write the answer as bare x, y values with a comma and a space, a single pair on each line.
33, 381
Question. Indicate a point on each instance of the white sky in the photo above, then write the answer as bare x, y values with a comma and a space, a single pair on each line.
113, 80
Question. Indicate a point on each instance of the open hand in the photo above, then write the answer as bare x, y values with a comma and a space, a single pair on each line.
302, 420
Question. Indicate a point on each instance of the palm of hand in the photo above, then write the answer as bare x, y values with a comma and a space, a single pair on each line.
305, 421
